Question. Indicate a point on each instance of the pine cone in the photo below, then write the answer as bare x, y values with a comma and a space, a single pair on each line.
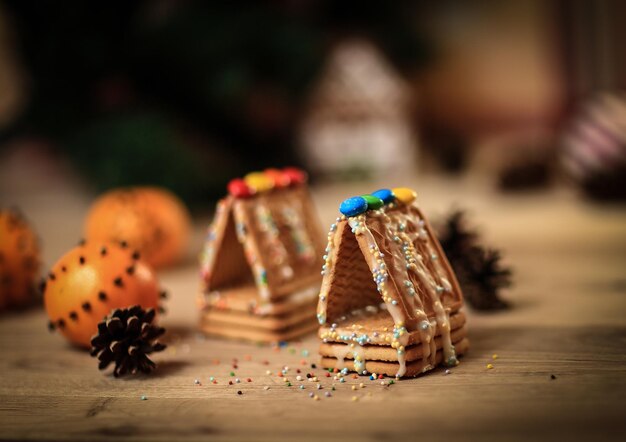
126, 337
484, 277
478, 269
455, 237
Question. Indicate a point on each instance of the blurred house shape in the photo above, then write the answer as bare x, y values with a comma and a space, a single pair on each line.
358, 115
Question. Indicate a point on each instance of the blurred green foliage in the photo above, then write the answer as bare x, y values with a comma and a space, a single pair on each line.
186, 94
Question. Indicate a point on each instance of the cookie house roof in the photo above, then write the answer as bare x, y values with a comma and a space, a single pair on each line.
383, 249
264, 232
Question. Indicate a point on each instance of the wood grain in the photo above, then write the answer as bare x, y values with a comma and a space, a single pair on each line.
567, 321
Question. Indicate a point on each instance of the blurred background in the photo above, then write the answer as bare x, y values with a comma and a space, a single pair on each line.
188, 94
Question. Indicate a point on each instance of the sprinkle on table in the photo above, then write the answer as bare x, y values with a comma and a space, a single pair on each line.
489, 366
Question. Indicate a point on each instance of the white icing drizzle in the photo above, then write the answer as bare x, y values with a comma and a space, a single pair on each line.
259, 272
304, 246
328, 262
358, 354
432, 282
207, 255
276, 249
397, 224
340, 352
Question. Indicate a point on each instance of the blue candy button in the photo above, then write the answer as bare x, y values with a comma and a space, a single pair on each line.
384, 194
353, 206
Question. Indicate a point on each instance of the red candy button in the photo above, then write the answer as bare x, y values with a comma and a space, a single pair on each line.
278, 177
239, 189
295, 176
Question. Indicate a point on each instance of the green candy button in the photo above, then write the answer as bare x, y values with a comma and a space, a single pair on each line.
373, 202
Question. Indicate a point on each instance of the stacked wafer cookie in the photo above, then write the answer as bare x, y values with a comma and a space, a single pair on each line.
389, 302
260, 264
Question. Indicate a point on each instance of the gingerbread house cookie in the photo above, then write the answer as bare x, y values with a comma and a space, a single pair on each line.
389, 302
260, 264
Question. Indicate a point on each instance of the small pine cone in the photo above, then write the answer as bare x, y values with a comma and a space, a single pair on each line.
484, 277
479, 270
125, 338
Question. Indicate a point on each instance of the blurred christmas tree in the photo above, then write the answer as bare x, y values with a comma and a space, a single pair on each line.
185, 94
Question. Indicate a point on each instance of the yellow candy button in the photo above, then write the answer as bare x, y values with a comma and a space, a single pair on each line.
259, 181
404, 194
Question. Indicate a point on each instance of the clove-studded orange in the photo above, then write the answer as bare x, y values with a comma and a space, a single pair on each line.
19, 260
91, 280
151, 219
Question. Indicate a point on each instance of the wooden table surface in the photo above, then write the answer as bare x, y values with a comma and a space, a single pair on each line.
567, 320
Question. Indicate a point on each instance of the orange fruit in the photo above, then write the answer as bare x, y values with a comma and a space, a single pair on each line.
150, 219
19, 260
91, 280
